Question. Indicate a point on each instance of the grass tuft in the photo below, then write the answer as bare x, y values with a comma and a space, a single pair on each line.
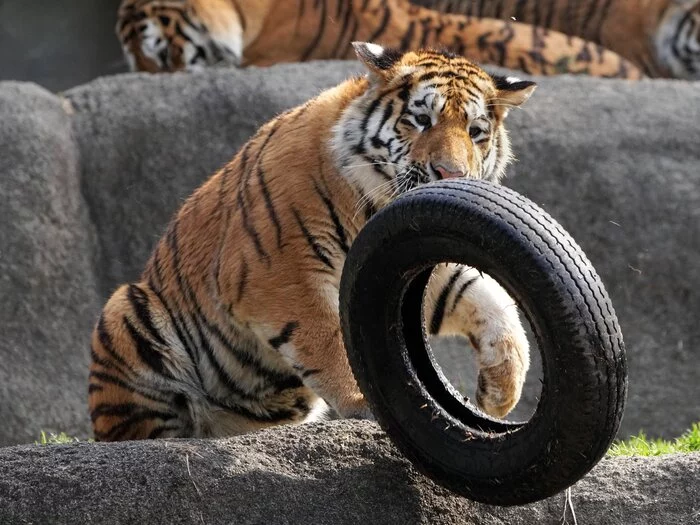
51, 438
641, 445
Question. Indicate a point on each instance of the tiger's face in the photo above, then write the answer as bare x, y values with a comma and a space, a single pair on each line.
678, 39
425, 116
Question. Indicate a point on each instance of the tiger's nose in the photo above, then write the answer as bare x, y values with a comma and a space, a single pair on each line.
449, 172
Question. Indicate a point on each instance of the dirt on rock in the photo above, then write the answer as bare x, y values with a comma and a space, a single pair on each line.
341, 472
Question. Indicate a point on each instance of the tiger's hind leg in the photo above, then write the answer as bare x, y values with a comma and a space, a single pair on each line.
135, 386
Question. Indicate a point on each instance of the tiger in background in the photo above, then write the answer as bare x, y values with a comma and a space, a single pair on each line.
661, 37
174, 35
234, 325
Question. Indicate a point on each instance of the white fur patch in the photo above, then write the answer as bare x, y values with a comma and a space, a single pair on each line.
319, 411
153, 42
375, 49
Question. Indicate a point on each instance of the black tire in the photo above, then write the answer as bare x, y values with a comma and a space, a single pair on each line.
507, 236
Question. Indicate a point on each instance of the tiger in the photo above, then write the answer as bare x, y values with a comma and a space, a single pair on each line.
175, 35
234, 324
661, 37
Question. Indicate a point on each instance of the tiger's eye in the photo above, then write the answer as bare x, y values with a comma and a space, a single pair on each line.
424, 120
475, 131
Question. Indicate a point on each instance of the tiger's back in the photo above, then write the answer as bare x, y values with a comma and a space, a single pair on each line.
173, 35
661, 37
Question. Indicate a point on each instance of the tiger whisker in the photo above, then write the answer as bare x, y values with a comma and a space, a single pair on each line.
378, 163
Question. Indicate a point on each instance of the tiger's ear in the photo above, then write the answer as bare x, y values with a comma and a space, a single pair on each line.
377, 59
512, 91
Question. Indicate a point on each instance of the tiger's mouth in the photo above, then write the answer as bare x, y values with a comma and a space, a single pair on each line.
414, 175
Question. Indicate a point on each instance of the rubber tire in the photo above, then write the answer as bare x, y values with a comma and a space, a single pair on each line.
502, 233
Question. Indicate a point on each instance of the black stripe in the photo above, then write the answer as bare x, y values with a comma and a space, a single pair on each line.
252, 232
439, 312
340, 234
353, 35
588, 18
242, 281
147, 353
344, 26
116, 410
182, 331
130, 387
277, 379
139, 302
677, 36
285, 335
382, 25
107, 364
318, 250
425, 23
319, 34
519, 9
106, 342
603, 17
499, 9
461, 291
118, 431
271, 416
270, 206
549, 16
408, 37
222, 374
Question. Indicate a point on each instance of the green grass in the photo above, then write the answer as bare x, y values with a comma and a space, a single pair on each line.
641, 445
55, 439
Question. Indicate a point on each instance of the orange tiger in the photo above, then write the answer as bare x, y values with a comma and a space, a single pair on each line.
234, 324
172, 35
661, 37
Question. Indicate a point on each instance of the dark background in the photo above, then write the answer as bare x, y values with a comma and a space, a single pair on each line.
59, 44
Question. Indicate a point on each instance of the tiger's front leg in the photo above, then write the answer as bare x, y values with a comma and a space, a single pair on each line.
317, 351
462, 301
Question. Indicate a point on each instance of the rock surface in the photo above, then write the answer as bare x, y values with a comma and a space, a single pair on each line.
332, 473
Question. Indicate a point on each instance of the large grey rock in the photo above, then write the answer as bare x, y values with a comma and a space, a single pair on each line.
48, 294
88, 184
334, 473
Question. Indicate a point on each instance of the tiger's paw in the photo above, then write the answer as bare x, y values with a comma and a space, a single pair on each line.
356, 408
502, 372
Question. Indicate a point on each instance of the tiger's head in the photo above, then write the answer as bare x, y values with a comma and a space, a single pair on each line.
424, 116
677, 40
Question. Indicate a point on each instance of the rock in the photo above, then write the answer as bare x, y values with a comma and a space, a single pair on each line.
340, 472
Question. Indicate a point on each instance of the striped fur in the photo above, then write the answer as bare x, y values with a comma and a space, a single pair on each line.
661, 37
234, 324
172, 35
